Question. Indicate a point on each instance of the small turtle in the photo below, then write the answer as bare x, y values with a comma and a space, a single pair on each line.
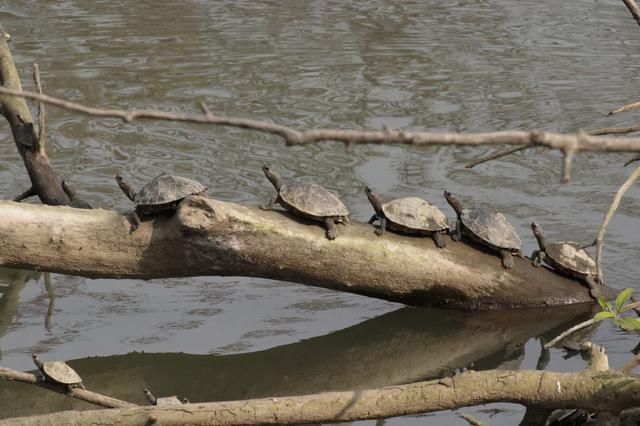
76, 202
308, 200
568, 258
487, 226
167, 400
161, 194
58, 372
412, 215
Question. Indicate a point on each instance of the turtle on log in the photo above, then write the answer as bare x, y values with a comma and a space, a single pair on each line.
58, 372
411, 215
161, 194
77, 203
167, 400
488, 227
308, 200
568, 258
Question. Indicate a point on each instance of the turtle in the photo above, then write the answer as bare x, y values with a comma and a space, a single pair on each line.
412, 215
568, 258
162, 194
308, 200
167, 400
76, 202
58, 372
488, 227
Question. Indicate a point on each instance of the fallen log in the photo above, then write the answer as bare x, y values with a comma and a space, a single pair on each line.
211, 237
594, 389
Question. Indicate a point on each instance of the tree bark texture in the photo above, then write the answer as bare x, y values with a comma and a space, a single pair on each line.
211, 237
595, 391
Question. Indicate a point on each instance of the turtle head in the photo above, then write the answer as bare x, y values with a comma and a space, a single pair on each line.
36, 360
453, 202
539, 234
126, 188
273, 177
150, 397
373, 199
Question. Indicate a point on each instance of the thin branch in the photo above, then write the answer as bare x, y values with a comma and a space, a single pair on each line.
572, 330
634, 9
599, 241
580, 141
470, 419
633, 160
496, 155
78, 393
633, 363
615, 130
41, 112
625, 108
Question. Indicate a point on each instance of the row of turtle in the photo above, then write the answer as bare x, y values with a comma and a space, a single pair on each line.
411, 215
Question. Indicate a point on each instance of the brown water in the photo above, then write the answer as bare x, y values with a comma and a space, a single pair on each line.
459, 66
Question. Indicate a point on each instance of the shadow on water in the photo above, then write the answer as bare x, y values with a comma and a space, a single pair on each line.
12, 281
403, 346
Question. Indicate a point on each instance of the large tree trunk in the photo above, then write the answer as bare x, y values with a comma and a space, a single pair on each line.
211, 237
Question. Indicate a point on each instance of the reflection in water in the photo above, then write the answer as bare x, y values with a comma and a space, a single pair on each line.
52, 298
403, 346
12, 281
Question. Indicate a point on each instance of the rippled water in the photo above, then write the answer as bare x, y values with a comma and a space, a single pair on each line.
460, 66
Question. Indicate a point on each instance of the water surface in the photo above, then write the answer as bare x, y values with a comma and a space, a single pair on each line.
458, 66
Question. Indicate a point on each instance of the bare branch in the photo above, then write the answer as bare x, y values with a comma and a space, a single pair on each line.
599, 241
581, 142
615, 130
82, 394
625, 108
572, 330
634, 9
629, 366
41, 112
496, 155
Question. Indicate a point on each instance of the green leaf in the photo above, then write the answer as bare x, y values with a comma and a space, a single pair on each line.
622, 298
628, 323
604, 305
602, 315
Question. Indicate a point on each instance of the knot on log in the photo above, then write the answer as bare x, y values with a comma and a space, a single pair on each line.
199, 214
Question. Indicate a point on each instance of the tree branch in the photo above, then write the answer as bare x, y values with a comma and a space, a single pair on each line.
41, 112
78, 393
634, 9
592, 390
580, 141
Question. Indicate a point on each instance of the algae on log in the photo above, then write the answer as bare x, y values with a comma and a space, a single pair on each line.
211, 237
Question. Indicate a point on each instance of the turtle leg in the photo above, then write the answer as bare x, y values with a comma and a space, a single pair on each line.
134, 221
271, 202
594, 286
537, 257
439, 238
373, 219
382, 226
457, 233
330, 225
26, 194
507, 259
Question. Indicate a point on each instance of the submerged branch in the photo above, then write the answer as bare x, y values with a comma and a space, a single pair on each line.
595, 389
78, 393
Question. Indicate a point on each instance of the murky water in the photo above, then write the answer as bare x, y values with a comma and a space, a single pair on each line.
460, 66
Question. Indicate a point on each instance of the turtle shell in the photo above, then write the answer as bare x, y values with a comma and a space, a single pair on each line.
166, 189
60, 372
491, 227
570, 256
414, 213
168, 400
312, 200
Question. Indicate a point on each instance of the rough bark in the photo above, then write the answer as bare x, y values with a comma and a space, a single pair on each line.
45, 183
601, 391
210, 237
